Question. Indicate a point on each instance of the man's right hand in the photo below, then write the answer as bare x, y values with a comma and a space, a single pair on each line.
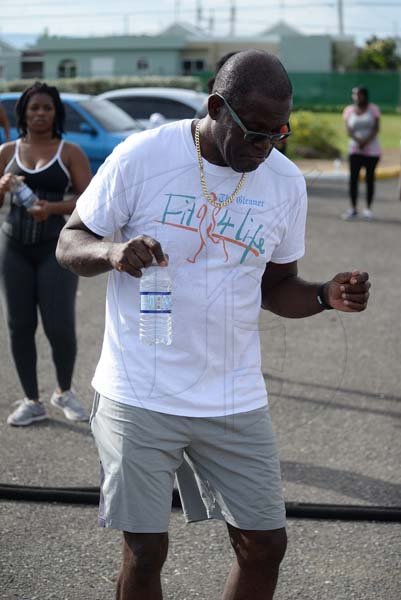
130, 257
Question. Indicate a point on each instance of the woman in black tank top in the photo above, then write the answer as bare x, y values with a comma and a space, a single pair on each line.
30, 277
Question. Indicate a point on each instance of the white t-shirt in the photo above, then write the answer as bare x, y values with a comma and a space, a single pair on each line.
151, 185
362, 125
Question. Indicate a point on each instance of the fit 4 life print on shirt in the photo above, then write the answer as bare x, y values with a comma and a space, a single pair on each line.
216, 225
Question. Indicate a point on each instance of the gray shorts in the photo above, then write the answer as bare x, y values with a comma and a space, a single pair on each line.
227, 468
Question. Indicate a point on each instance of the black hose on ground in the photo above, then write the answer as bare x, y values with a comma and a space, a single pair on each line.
295, 510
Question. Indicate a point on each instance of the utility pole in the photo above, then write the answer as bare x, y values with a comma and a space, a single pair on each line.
282, 11
176, 11
126, 24
211, 21
199, 13
233, 16
340, 17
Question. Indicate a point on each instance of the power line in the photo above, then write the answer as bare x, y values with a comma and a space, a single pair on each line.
150, 12
307, 4
390, 4
328, 4
279, 5
225, 15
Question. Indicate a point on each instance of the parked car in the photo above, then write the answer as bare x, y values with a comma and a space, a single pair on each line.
94, 124
172, 103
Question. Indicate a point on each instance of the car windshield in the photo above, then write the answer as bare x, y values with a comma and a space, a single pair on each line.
108, 115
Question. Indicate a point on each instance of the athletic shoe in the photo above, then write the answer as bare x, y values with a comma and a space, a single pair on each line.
350, 215
68, 403
27, 412
367, 214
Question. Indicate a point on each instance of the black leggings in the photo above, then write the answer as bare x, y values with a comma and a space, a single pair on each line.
356, 162
31, 278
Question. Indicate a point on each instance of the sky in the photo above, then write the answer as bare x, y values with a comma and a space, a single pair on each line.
361, 18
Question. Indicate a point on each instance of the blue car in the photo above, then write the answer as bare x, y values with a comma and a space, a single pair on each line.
94, 124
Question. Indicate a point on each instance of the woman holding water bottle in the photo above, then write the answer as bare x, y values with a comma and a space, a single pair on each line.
36, 171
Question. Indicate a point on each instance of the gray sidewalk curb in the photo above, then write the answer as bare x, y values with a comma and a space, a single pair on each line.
325, 176
338, 176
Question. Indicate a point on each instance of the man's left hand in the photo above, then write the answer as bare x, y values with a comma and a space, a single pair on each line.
348, 292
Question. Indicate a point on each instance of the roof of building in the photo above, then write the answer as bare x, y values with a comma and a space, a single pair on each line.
282, 29
120, 42
186, 31
7, 49
18, 41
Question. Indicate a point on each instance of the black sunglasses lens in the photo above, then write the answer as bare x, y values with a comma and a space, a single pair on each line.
255, 138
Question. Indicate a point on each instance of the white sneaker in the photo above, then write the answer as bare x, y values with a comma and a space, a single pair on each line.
27, 412
68, 403
367, 214
350, 215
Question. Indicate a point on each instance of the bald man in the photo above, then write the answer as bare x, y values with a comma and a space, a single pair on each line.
214, 200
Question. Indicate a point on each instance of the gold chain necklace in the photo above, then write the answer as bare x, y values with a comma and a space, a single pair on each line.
205, 191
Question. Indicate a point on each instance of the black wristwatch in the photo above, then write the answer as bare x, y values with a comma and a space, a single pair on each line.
320, 298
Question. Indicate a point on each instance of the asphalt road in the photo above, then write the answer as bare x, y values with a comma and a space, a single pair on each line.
334, 383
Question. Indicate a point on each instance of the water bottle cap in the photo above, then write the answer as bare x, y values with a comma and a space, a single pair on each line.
15, 183
156, 264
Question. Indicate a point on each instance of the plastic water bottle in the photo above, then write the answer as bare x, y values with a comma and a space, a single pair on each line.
155, 324
23, 195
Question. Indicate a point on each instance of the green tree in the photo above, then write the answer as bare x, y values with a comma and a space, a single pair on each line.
378, 55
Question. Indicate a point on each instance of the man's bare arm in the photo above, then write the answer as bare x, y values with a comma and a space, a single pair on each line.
87, 254
287, 295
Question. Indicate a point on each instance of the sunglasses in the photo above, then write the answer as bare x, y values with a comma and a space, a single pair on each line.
256, 136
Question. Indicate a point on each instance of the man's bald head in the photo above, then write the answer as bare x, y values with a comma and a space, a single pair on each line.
253, 71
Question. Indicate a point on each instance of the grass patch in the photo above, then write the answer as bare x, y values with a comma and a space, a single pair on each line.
389, 135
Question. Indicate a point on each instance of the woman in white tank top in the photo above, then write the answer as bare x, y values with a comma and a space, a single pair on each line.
30, 277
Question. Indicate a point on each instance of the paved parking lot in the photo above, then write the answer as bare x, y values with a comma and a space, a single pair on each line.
335, 392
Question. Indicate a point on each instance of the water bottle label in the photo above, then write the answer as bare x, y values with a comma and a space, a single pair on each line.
155, 302
26, 196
